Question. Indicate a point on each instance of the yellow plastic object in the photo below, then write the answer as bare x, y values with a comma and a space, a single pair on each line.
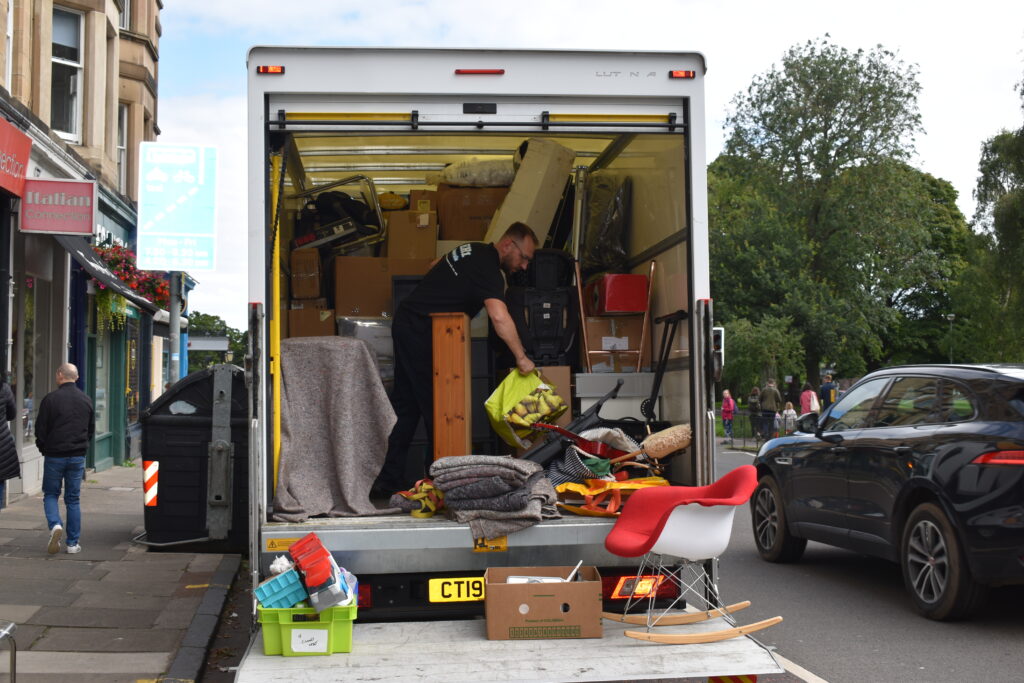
520, 401
275, 311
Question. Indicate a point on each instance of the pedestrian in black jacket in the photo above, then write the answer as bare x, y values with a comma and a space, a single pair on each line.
10, 467
64, 430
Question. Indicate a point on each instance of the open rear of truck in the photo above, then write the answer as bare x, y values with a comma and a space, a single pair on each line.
397, 117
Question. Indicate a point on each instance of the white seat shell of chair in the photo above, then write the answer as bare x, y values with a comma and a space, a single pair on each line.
696, 532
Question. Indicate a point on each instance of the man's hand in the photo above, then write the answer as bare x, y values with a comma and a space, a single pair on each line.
506, 329
525, 365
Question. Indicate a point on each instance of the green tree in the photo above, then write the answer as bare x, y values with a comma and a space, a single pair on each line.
758, 351
994, 292
822, 219
204, 325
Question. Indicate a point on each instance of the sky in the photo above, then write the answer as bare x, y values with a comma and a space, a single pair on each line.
970, 57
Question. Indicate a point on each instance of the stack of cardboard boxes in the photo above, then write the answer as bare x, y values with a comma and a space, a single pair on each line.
308, 315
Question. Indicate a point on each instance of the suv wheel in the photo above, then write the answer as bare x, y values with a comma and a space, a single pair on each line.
934, 568
774, 541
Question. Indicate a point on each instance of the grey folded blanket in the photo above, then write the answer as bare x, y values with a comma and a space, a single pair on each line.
510, 500
480, 487
335, 422
540, 505
504, 466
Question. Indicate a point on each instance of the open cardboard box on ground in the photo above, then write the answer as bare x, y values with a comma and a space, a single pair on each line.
540, 611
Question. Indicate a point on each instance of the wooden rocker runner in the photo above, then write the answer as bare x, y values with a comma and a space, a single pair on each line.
677, 530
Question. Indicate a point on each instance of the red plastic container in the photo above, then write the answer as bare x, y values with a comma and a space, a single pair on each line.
616, 293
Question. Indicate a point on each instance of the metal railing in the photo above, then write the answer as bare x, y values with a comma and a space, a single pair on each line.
749, 430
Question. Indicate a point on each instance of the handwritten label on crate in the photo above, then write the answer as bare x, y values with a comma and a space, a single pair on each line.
309, 640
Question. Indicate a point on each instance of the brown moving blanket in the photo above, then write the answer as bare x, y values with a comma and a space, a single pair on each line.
335, 422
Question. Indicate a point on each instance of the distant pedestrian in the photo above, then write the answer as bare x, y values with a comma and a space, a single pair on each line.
728, 413
754, 409
64, 428
771, 404
828, 393
10, 467
789, 418
809, 400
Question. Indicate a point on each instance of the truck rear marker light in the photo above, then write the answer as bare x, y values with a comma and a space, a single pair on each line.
276, 70
150, 470
682, 74
1000, 458
642, 587
479, 72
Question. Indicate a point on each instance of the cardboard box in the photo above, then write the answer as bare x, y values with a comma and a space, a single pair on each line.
305, 278
412, 234
536, 190
308, 303
409, 266
422, 200
311, 322
464, 213
614, 293
616, 334
561, 377
362, 284
542, 611
444, 246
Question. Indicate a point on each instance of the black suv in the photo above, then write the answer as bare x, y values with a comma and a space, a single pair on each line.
922, 465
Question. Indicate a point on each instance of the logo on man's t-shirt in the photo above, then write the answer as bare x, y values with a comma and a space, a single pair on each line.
460, 252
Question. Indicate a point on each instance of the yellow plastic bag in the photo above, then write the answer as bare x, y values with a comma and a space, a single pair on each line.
518, 402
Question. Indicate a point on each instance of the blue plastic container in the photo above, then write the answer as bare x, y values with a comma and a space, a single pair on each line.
282, 591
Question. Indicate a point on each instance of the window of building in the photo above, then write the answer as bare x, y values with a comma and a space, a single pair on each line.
124, 20
10, 45
66, 76
122, 148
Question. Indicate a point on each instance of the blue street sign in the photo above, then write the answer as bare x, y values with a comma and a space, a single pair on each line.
177, 207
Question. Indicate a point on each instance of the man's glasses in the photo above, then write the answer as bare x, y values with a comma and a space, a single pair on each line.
522, 254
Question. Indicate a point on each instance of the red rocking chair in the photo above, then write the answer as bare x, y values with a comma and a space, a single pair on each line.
678, 530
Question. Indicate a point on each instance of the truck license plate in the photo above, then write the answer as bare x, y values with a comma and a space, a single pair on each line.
462, 589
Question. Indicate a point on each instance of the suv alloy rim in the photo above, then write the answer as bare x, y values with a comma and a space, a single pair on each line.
767, 516
927, 561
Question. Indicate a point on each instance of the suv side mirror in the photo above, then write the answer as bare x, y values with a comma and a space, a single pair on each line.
807, 423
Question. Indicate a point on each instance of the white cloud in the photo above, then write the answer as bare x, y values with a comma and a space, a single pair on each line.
969, 58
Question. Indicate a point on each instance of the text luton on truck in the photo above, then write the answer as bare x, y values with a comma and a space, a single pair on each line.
370, 121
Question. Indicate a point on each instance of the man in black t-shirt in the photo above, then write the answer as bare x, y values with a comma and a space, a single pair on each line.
465, 280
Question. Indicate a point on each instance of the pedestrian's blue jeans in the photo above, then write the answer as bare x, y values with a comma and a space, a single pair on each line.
727, 426
3, 485
66, 472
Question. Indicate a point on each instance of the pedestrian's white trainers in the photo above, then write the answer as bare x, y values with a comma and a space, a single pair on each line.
56, 533
72, 549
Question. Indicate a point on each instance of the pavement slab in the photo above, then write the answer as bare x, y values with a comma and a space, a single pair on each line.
95, 617
117, 611
96, 640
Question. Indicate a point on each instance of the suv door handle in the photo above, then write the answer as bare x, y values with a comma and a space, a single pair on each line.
838, 449
903, 450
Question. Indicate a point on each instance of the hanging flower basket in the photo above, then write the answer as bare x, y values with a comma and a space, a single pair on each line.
111, 310
121, 261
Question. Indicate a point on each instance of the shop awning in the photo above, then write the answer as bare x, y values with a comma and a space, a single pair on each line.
82, 252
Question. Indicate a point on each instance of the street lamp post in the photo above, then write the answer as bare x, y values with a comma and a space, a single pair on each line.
951, 317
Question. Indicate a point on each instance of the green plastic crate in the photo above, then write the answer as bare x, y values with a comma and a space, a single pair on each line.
301, 631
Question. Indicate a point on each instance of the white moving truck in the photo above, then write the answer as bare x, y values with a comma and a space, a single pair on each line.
397, 117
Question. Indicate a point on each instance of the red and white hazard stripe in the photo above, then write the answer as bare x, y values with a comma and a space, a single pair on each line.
150, 470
